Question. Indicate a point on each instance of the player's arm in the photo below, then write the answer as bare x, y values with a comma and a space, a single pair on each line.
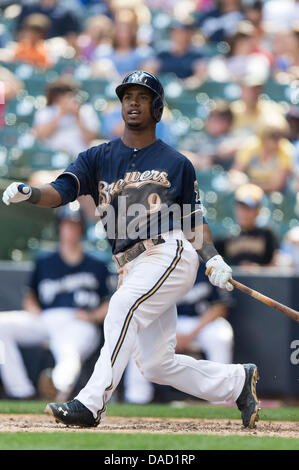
95, 316
78, 179
31, 303
218, 272
43, 196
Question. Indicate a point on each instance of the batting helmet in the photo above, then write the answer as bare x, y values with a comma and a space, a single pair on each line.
69, 212
148, 80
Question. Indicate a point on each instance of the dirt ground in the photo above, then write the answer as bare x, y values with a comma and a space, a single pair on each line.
45, 423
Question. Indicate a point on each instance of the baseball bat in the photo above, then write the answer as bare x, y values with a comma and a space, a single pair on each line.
24, 188
266, 300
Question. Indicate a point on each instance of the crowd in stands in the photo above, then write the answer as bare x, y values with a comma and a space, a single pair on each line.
230, 69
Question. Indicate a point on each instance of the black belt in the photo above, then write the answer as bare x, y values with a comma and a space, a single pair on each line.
131, 253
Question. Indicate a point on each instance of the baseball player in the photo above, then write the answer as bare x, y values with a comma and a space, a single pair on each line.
201, 325
65, 301
157, 262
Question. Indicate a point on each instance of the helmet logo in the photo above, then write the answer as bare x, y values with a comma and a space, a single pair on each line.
138, 77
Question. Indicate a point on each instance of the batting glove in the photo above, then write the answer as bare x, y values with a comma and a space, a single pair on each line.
16, 192
219, 273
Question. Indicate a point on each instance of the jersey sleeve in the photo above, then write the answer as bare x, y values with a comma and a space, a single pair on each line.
79, 178
191, 205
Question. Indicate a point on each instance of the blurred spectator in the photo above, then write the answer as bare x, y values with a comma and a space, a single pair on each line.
286, 51
66, 300
245, 54
125, 54
10, 86
250, 110
201, 326
222, 21
98, 7
182, 58
253, 12
293, 120
216, 144
63, 22
288, 254
65, 123
31, 47
254, 246
97, 35
280, 15
267, 158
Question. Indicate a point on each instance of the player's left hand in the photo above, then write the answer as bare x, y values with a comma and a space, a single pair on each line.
219, 273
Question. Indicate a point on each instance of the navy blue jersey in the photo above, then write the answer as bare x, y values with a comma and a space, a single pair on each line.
202, 296
57, 284
156, 177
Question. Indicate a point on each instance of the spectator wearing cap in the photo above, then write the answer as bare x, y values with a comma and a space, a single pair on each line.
65, 124
182, 58
254, 246
250, 111
267, 158
63, 21
65, 302
31, 47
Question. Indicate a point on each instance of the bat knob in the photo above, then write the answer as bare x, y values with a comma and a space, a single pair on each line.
24, 189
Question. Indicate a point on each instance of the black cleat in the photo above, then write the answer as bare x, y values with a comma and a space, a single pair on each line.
248, 402
72, 413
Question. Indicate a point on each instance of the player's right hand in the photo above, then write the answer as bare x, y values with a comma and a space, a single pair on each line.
16, 192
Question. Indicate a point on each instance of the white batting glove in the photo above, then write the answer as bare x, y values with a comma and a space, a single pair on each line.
219, 273
16, 192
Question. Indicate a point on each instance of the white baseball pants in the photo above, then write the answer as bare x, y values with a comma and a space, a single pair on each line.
215, 340
141, 321
70, 340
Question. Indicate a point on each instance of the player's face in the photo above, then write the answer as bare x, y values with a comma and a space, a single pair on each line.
70, 232
136, 107
246, 216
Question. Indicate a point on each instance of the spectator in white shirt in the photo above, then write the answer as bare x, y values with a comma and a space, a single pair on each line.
66, 124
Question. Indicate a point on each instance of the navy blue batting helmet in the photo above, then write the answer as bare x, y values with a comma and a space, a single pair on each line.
148, 80
70, 212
